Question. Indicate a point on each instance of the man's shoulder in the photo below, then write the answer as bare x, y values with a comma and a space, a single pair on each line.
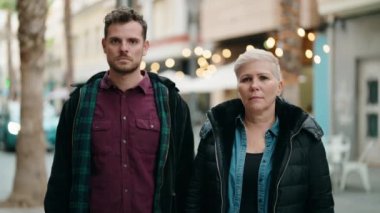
155, 78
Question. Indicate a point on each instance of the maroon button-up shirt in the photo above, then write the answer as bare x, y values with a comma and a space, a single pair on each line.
125, 140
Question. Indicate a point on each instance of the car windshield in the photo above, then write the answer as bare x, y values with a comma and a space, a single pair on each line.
49, 113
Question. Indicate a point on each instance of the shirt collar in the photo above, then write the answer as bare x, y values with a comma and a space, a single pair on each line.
273, 130
144, 84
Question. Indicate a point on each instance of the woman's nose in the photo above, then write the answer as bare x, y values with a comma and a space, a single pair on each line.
254, 84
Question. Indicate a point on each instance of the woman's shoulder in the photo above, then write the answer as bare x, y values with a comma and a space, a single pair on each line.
311, 126
206, 129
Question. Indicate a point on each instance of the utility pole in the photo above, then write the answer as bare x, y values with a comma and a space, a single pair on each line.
193, 24
125, 3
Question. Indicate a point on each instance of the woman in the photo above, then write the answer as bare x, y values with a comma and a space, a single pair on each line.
259, 153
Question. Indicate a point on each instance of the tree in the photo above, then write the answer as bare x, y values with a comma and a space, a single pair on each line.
291, 43
29, 185
69, 45
9, 6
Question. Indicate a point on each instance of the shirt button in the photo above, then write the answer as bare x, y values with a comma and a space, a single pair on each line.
124, 118
125, 165
124, 141
125, 190
151, 126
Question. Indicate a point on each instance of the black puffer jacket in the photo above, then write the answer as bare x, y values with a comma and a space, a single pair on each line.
300, 175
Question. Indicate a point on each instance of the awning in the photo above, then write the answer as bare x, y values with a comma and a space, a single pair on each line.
224, 78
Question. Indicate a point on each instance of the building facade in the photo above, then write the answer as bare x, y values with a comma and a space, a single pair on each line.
354, 71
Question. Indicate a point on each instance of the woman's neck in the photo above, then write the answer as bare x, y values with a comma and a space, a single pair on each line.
263, 121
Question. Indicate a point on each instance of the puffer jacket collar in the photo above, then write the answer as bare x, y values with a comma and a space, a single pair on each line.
292, 118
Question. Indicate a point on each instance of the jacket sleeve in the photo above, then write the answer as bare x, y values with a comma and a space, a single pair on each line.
185, 154
320, 196
59, 185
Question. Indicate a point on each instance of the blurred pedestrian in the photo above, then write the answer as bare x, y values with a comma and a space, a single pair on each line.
124, 139
259, 153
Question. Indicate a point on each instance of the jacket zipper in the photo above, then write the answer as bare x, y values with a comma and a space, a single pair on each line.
286, 165
218, 168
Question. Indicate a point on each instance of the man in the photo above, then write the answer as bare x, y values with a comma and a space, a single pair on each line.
124, 140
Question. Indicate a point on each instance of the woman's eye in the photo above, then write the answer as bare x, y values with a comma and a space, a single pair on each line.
243, 80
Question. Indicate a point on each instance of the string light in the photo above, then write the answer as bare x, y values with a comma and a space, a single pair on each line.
309, 54
317, 59
199, 72
186, 52
311, 36
301, 32
207, 54
212, 69
180, 74
216, 58
154, 67
198, 51
249, 47
202, 62
269, 43
226, 53
326, 48
169, 62
279, 52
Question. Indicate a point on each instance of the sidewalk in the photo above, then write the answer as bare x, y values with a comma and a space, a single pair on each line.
353, 200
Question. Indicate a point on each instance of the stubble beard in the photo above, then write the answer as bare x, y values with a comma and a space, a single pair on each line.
124, 70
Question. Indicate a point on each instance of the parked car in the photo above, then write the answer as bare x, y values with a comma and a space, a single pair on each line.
10, 124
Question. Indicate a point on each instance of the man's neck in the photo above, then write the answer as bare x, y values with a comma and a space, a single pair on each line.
126, 81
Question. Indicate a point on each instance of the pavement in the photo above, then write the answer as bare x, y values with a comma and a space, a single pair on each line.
353, 199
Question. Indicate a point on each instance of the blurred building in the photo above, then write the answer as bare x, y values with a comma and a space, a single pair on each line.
353, 72
234, 26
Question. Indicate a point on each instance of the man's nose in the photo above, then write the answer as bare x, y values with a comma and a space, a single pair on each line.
124, 46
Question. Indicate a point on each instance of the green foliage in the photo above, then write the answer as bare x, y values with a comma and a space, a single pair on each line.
7, 83
8, 4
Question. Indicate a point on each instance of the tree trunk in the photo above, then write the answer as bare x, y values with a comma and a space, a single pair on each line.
69, 45
12, 94
291, 43
29, 185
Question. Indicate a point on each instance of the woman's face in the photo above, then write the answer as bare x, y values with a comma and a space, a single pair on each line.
257, 86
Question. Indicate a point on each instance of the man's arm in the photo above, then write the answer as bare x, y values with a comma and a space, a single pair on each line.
186, 155
58, 190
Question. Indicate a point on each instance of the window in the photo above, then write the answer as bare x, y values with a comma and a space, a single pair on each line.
372, 91
372, 125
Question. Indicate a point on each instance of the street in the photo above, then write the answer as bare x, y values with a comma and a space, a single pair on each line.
352, 200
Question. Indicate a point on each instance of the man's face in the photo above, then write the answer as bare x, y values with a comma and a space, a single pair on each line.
125, 47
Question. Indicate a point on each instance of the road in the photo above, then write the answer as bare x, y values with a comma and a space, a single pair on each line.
352, 200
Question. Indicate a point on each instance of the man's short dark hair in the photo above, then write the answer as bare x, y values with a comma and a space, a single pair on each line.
124, 15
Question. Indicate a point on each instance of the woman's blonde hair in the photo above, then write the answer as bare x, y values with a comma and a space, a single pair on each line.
259, 55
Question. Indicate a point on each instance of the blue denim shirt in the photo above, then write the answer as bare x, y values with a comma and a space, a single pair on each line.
235, 177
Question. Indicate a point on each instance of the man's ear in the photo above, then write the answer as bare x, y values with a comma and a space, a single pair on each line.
104, 44
146, 47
